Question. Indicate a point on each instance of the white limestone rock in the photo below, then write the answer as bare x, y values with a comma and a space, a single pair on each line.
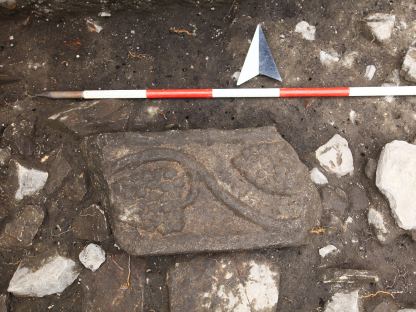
344, 302
335, 156
30, 181
53, 275
329, 58
318, 177
370, 71
5, 155
381, 26
376, 220
307, 31
92, 256
409, 65
327, 250
396, 179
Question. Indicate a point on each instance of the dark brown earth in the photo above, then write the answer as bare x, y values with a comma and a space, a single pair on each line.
52, 49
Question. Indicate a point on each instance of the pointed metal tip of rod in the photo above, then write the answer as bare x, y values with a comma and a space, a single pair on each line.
43, 94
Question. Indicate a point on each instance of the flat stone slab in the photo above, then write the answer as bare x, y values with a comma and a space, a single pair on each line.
203, 190
238, 282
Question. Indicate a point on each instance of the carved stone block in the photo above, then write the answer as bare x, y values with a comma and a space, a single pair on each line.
203, 190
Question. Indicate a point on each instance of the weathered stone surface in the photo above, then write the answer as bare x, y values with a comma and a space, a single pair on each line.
117, 286
370, 169
386, 306
328, 250
20, 231
5, 155
58, 171
224, 283
335, 156
94, 117
74, 189
318, 177
19, 135
396, 179
92, 256
197, 190
344, 302
334, 203
91, 224
29, 180
3, 303
349, 277
42, 276
409, 65
381, 26
307, 31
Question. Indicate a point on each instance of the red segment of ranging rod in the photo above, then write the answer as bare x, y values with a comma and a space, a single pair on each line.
179, 93
314, 92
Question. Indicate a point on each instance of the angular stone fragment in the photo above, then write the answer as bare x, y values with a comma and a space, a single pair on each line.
92, 256
409, 65
328, 250
307, 31
396, 179
335, 156
349, 277
117, 286
224, 283
94, 117
376, 220
39, 277
30, 181
58, 171
5, 155
20, 231
91, 224
318, 177
198, 190
344, 302
386, 306
381, 25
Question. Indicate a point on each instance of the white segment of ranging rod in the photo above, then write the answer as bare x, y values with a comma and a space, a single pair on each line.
383, 91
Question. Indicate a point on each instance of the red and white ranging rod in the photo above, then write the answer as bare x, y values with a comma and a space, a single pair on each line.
233, 93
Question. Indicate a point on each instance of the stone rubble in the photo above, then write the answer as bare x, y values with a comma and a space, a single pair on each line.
328, 250
344, 278
92, 257
328, 58
348, 59
335, 156
224, 283
318, 177
52, 275
370, 71
381, 26
5, 154
344, 302
21, 230
376, 220
30, 181
58, 171
307, 31
396, 179
409, 65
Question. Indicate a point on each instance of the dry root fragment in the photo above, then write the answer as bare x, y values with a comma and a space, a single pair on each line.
139, 56
318, 230
381, 293
181, 31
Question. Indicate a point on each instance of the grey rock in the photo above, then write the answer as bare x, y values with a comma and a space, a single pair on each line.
43, 275
92, 256
19, 135
344, 302
409, 65
95, 116
346, 278
381, 26
3, 303
58, 171
203, 190
20, 231
334, 203
91, 224
386, 306
75, 188
117, 286
5, 155
370, 169
29, 180
228, 283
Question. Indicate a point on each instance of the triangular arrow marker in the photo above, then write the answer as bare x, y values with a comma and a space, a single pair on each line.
259, 60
